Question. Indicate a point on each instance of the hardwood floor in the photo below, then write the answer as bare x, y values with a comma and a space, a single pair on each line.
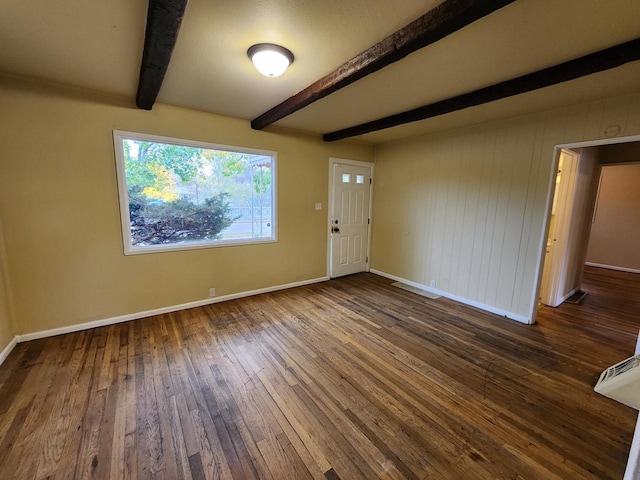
348, 379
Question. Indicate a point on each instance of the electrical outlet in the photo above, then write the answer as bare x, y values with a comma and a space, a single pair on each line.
318, 206
212, 292
433, 284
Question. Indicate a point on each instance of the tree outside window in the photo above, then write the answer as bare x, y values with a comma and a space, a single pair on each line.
179, 194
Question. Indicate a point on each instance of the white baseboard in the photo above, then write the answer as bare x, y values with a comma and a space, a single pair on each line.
158, 311
466, 301
7, 350
612, 267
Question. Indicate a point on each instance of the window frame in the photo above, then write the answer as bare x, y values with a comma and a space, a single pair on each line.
129, 249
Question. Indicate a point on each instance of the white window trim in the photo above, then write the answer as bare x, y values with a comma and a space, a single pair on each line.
129, 248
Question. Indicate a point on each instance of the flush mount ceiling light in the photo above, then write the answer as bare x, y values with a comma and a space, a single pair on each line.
269, 59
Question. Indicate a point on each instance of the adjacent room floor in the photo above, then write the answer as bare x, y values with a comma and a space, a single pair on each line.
351, 379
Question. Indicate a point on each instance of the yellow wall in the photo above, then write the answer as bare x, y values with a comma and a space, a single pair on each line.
616, 230
59, 208
466, 208
7, 331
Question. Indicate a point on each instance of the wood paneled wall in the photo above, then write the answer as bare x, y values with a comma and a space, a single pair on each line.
467, 208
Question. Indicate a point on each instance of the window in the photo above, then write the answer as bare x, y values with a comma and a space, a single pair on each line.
180, 194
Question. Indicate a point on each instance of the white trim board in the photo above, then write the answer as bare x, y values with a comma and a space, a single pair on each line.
158, 311
7, 350
612, 267
466, 301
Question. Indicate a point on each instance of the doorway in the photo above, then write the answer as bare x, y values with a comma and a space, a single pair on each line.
562, 262
350, 185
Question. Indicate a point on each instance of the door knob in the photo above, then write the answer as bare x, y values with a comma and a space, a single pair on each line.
335, 230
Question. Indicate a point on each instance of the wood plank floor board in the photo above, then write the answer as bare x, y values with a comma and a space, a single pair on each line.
347, 379
268, 420
383, 391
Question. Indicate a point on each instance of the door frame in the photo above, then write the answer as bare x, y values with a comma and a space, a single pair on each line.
356, 163
549, 203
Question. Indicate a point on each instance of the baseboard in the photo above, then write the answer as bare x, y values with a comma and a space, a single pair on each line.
7, 350
159, 311
466, 301
612, 267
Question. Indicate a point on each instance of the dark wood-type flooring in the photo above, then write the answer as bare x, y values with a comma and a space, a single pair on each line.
348, 379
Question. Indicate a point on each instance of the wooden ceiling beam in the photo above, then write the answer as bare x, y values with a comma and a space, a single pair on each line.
580, 67
446, 18
163, 23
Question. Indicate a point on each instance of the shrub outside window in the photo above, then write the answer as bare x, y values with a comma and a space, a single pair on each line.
181, 194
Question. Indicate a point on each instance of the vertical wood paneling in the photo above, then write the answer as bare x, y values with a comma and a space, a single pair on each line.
521, 161
632, 127
418, 208
616, 113
492, 208
472, 169
574, 124
593, 122
430, 169
484, 172
496, 263
440, 214
453, 173
529, 242
467, 207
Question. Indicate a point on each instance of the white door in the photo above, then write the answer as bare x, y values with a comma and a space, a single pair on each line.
349, 219
552, 290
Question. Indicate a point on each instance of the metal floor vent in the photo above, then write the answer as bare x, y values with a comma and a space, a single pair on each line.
415, 290
577, 297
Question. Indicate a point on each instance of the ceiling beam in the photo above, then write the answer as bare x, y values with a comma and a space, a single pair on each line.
580, 67
163, 23
446, 18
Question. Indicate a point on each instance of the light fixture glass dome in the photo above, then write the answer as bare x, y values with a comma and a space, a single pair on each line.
269, 59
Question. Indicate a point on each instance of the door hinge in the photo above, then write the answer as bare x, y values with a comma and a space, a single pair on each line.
367, 260
370, 181
368, 221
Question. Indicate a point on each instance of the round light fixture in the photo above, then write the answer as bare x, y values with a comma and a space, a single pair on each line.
269, 59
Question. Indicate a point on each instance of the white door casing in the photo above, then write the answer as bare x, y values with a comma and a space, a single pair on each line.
349, 217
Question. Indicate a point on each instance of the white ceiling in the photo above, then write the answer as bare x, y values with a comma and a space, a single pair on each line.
98, 46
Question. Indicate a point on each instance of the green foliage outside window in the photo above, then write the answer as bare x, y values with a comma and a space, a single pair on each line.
180, 194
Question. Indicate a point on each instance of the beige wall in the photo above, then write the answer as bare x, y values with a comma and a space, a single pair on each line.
7, 331
615, 234
466, 208
59, 208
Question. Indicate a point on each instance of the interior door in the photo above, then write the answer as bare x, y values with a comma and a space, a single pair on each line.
553, 288
349, 219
